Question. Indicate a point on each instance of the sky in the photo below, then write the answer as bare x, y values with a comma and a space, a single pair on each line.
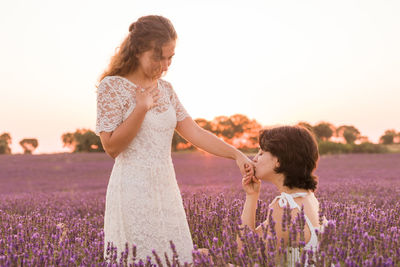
279, 62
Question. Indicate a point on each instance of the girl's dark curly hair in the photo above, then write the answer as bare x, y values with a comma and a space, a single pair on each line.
297, 152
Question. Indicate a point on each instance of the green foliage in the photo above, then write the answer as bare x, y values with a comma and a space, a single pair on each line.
4, 148
388, 137
223, 126
368, 147
239, 123
393, 148
323, 131
29, 145
5, 141
326, 147
349, 133
83, 140
349, 137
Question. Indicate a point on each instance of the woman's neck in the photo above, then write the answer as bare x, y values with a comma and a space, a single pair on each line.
140, 79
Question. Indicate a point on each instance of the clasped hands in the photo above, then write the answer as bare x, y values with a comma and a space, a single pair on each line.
250, 183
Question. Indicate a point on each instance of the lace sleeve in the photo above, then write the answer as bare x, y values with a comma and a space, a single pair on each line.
181, 112
109, 110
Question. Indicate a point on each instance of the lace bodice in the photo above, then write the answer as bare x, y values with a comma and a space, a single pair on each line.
116, 99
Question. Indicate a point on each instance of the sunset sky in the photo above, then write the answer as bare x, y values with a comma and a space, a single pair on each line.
279, 62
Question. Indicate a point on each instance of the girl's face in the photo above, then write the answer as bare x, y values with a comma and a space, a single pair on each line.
265, 163
152, 65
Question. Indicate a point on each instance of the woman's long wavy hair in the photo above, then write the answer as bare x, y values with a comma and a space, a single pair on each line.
148, 32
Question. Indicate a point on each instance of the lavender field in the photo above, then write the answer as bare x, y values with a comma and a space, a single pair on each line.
52, 208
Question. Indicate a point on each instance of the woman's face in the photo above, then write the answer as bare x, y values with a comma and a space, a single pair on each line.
265, 163
152, 65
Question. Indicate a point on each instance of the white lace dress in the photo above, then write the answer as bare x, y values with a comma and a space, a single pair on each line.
143, 202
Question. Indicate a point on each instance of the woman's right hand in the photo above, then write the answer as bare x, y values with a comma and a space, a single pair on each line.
147, 97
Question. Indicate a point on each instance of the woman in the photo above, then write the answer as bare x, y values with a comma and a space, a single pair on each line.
137, 113
287, 157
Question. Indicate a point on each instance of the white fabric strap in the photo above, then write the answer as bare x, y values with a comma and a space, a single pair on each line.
285, 198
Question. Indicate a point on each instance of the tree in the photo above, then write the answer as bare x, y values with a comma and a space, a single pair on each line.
237, 130
233, 126
68, 140
5, 141
223, 126
388, 137
82, 140
253, 131
323, 131
29, 145
246, 132
349, 133
240, 123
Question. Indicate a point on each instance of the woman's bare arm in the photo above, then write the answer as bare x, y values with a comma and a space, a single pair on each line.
115, 142
207, 141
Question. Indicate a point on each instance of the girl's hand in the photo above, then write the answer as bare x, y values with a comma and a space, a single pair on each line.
251, 185
147, 97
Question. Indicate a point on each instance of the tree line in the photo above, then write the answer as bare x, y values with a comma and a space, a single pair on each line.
237, 130
27, 144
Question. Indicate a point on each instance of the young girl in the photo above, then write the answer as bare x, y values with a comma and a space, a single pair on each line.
287, 157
